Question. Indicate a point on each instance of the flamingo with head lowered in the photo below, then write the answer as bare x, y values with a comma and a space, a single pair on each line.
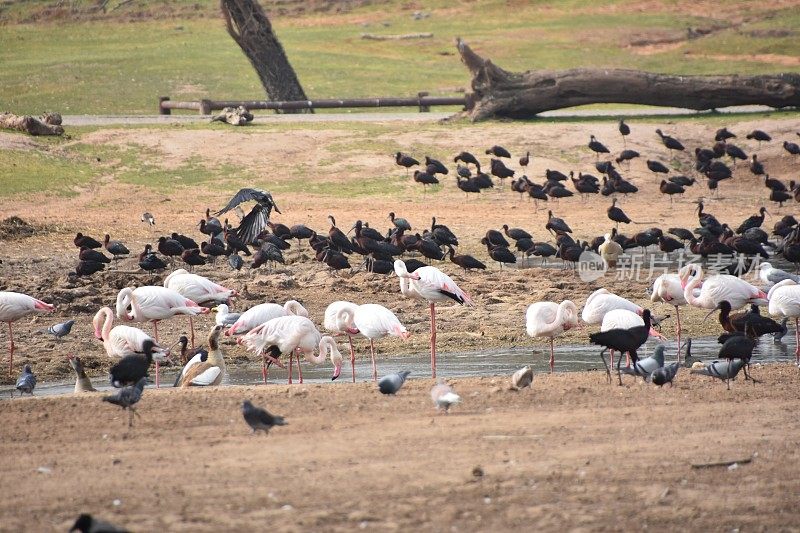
374, 322
122, 341
13, 306
717, 288
198, 289
667, 288
285, 334
339, 321
432, 285
549, 319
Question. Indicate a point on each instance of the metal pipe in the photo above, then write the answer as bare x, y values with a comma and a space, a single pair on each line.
211, 105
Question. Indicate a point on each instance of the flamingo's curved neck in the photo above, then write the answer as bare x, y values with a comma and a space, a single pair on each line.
693, 282
344, 316
108, 320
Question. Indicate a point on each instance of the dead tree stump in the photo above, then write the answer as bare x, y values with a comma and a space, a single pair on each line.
32, 125
499, 93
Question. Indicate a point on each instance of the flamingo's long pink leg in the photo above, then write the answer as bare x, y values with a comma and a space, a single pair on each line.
552, 356
372, 355
352, 357
155, 333
10, 351
291, 362
678, 330
433, 340
264, 369
299, 370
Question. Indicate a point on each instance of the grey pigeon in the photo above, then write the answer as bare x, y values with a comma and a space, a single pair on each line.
27, 381
60, 330
149, 219
86, 523
392, 383
778, 335
235, 261
665, 374
645, 367
127, 397
260, 419
720, 369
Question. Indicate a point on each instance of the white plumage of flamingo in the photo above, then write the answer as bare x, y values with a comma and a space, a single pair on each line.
549, 319
667, 288
432, 285
374, 322
784, 300
717, 288
285, 334
625, 319
261, 313
121, 341
601, 302
340, 323
198, 289
13, 306
152, 304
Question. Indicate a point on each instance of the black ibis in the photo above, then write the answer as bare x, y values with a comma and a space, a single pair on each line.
516, 233
82, 241
467, 262
760, 136
267, 252
193, 258
627, 155
495, 238
378, 266
169, 247
723, 135
149, 261
779, 197
657, 167
670, 142
442, 234
755, 166
115, 248
399, 223
431, 162
467, 185
734, 152
256, 220
753, 221
501, 254
624, 130
405, 161
668, 244
281, 230
792, 148
498, 151
234, 243
597, 147
338, 238
212, 250
499, 169
556, 225
131, 368
525, 159
752, 322
670, 188
467, 158
87, 254
683, 181
775, 185
554, 175
424, 178
483, 180
624, 341
616, 214
682, 233
87, 267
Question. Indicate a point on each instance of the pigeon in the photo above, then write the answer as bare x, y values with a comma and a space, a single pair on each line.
60, 330
260, 419
86, 523
149, 219
27, 381
127, 397
645, 367
444, 396
235, 261
392, 383
522, 378
720, 369
665, 374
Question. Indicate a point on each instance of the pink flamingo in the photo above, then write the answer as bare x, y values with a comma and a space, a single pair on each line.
549, 319
13, 306
198, 289
603, 301
342, 324
285, 334
374, 322
121, 341
717, 288
152, 304
784, 300
261, 313
667, 288
430, 284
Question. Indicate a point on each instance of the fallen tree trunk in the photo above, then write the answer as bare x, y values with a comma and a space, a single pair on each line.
32, 125
499, 93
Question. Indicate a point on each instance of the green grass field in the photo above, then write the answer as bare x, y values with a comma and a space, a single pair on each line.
120, 65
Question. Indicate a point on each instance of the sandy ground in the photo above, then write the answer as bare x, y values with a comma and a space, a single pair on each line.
351, 458
572, 453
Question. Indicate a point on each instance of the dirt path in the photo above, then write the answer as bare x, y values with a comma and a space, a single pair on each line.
572, 453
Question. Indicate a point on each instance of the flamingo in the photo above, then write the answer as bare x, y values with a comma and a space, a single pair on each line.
430, 284
261, 313
122, 341
784, 300
374, 322
13, 306
198, 289
152, 303
342, 324
285, 334
601, 302
549, 319
667, 288
717, 288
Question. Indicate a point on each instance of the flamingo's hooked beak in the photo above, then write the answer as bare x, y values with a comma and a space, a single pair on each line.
656, 334
337, 370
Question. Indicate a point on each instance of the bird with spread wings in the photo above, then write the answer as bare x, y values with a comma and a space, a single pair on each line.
257, 219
